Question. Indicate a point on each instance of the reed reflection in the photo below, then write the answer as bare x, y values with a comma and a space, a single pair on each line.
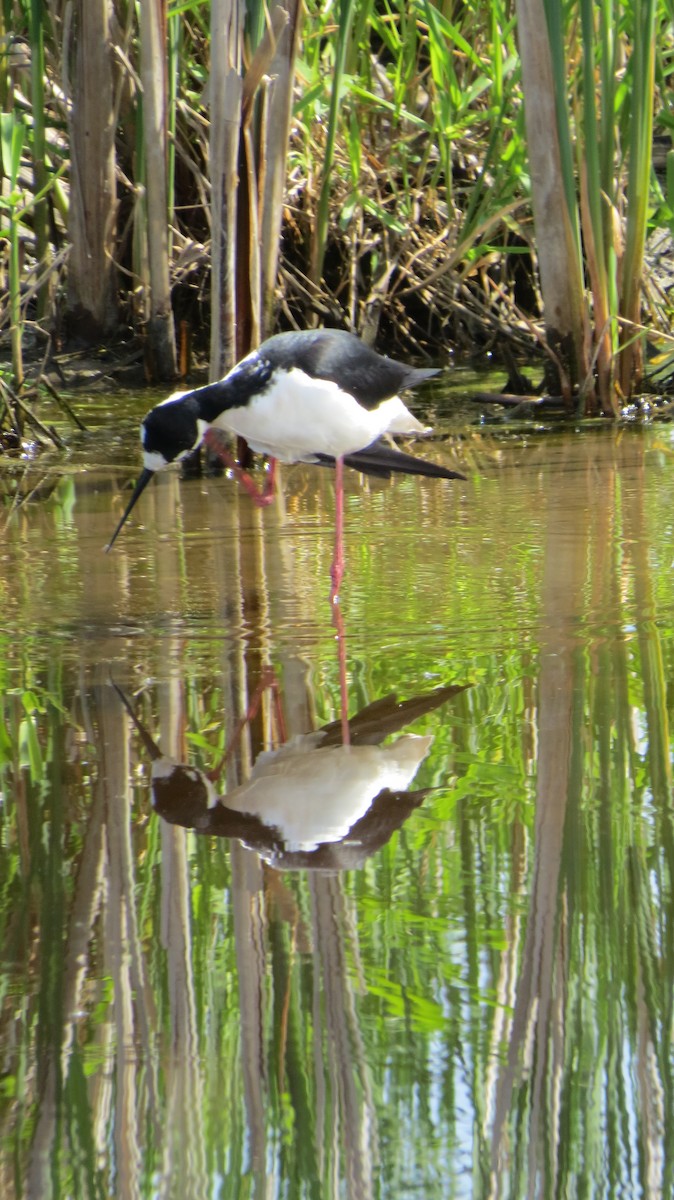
596, 936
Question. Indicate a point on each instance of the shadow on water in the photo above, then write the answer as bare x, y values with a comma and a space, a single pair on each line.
483, 1008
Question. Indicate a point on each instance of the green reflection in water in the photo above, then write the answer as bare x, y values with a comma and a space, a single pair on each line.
485, 1007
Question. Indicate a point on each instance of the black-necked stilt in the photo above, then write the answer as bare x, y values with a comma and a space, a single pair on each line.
318, 396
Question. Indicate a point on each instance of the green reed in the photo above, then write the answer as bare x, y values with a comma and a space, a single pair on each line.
641, 80
39, 153
604, 128
345, 19
12, 135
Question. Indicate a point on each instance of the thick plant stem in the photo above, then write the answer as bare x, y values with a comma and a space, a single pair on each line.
560, 270
160, 330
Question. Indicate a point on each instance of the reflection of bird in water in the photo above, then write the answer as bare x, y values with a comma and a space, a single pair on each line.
301, 798
317, 396
313, 802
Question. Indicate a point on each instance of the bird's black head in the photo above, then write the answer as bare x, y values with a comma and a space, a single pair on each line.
171, 431
168, 433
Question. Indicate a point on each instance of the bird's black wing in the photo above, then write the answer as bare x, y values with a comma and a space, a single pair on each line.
383, 460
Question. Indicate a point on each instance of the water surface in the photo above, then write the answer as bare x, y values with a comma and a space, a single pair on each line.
471, 993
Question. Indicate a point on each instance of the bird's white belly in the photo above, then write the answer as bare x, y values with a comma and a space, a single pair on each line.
297, 417
314, 798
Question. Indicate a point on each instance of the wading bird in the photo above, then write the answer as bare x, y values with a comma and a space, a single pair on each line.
316, 396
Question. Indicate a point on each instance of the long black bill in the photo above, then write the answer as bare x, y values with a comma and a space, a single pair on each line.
150, 745
141, 484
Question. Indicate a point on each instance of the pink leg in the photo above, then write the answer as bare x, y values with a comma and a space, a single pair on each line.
337, 568
336, 574
338, 622
267, 680
260, 498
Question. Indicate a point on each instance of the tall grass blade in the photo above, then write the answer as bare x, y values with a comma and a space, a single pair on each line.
642, 67
346, 10
12, 136
40, 175
595, 209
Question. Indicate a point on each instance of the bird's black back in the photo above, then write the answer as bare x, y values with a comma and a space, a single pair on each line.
332, 354
344, 359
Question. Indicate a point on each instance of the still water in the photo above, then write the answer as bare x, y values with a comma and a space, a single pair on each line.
438, 964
